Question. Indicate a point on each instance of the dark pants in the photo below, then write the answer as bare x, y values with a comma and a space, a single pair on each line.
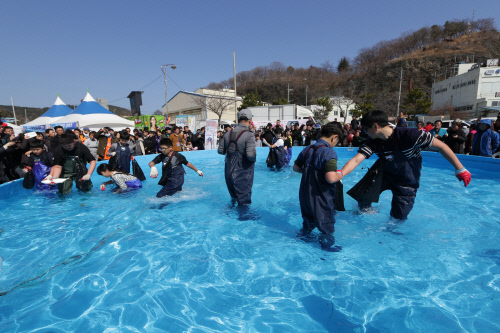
167, 190
403, 199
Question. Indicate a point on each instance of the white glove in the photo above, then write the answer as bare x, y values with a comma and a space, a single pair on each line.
154, 172
103, 187
113, 153
49, 177
86, 177
200, 173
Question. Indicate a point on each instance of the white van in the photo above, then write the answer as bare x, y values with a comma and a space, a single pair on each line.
448, 123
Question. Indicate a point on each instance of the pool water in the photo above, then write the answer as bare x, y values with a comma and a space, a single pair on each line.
103, 262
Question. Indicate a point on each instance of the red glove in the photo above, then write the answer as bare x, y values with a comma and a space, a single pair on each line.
463, 175
132, 158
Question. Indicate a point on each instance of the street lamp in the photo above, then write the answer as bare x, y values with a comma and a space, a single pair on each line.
164, 70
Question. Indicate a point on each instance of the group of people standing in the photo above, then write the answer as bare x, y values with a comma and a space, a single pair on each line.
482, 139
398, 167
398, 170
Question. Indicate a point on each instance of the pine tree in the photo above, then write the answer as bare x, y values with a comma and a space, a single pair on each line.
416, 102
280, 101
344, 65
364, 106
250, 99
326, 107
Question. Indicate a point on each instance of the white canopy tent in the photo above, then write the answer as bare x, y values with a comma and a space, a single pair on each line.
92, 115
17, 129
52, 115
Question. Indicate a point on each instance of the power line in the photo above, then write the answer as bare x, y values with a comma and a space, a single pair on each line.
151, 82
147, 85
175, 83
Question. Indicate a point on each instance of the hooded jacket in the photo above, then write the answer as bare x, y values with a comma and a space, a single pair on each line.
489, 140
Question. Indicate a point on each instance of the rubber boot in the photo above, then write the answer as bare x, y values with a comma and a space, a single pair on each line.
327, 243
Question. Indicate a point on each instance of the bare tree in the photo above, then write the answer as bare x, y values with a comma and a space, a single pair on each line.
344, 98
217, 102
344, 104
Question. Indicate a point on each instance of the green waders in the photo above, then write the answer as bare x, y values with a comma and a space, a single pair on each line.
74, 169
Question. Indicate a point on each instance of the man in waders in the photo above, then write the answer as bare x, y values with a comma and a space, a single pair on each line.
239, 147
70, 161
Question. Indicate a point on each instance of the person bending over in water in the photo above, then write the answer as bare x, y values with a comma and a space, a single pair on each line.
399, 149
123, 180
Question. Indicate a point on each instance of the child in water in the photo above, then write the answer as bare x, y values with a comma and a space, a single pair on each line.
41, 162
172, 177
318, 165
123, 180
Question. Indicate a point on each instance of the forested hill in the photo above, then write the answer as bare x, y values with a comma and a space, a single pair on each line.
6, 111
425, 55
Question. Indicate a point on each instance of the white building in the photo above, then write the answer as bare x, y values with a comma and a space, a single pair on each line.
200, 103
473, 92
341, 106
103, 102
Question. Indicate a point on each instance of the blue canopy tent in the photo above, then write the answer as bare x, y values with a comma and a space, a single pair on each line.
56, 112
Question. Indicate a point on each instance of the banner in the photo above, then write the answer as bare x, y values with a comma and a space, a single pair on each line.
65, 125
192, 123
34, 128
138, 122
181, 121
211, 127
153, 123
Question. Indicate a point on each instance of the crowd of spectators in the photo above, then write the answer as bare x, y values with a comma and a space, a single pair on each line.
482, 139
15, 149
305, 134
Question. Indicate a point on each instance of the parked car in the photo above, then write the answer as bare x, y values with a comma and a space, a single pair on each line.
465, 125
474, 121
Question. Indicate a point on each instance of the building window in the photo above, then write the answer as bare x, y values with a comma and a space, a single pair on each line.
336, 113
494, 103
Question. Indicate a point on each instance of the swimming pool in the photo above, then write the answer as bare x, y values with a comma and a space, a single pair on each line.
101, 262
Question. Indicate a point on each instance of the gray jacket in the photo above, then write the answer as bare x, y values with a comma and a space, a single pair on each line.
246, 143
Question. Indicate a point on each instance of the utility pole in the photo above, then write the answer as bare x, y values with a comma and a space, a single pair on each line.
164, 70
13, 111
25, 116
399, 97
234, 73
288, 96
306, 90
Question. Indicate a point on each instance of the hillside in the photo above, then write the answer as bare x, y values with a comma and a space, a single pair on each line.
6, 111
425, 55
422, 67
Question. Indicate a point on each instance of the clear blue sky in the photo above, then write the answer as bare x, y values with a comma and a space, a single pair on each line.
114, 47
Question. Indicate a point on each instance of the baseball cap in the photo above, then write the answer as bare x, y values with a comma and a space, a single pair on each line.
245, 113
86, 129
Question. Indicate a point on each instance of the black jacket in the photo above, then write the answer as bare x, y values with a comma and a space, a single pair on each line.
268, 135
150, 145
456, 144
199, 141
